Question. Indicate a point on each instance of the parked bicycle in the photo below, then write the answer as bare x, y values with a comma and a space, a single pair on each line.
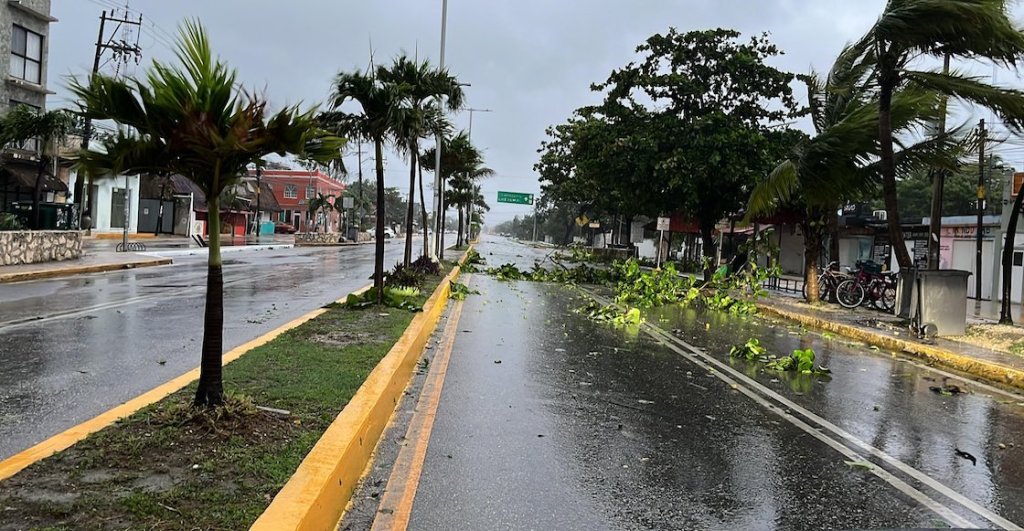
868, 284
829, 278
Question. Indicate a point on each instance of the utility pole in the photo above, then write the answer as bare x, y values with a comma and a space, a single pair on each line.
259, 189
471, 111
981, 211
361, 209
938, 189
122, 51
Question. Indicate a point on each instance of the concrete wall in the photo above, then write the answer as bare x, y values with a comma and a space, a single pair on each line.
24, 92
317, 238
31, 247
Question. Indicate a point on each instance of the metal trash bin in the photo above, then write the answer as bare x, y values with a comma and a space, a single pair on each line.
943, 298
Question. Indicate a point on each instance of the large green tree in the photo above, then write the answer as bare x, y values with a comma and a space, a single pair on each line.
906, 31
23, 124
189, 118
720, 99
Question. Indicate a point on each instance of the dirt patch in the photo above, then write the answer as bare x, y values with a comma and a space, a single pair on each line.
1003, 338
342, 338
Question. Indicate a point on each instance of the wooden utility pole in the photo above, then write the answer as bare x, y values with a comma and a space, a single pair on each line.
982, 133
122, 51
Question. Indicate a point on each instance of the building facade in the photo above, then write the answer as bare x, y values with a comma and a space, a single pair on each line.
294, 188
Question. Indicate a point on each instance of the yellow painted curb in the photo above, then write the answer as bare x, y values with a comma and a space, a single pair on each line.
939, 356
71, 271
18, 462
316, 495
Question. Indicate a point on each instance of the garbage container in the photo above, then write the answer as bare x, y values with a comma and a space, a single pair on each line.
943, 298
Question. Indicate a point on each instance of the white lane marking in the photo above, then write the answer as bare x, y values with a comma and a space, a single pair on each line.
901, 466
938, 508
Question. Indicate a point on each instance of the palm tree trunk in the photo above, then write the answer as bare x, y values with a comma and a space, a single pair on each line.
888, 164
378, 259
459, 240
411, 210
1011, 231
440, 223
812, 250
210, 391
423, 214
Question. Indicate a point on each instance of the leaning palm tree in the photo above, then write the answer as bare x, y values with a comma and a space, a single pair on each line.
190, 119
420, 82
840, 163
382, 114
910, 29
23, 124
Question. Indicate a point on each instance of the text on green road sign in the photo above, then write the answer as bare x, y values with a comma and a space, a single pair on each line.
516, 198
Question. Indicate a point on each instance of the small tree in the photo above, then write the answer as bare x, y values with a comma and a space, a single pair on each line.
190, 119
22, 124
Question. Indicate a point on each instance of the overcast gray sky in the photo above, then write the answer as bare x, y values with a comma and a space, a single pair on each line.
530, 61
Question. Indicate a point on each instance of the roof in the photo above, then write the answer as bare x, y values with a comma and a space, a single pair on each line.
25, 175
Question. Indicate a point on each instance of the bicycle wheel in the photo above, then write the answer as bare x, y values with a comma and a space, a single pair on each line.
850, 294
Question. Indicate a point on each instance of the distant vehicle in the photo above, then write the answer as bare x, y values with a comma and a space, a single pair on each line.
389, 233
284, 228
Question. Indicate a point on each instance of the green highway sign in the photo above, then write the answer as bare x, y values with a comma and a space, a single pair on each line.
515, 198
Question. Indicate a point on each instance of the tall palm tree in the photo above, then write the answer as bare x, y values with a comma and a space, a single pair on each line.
420, 82
840, 163
461, 164
910, 29
22, 124
188, 118
321, 204
381, 118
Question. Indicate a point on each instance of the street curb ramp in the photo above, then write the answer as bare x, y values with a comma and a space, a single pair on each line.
939, 356
318, 492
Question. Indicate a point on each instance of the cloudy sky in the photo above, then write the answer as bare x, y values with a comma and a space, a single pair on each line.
529, 61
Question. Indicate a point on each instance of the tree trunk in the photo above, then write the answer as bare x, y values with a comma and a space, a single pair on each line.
378, 259
812, 251
410, 210
210, 391
441, 223
708, 249
423, 214
460, 238
888, 164
37, 195
1011, 232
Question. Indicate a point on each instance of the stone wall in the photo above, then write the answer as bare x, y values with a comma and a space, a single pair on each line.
318, 238
32, 246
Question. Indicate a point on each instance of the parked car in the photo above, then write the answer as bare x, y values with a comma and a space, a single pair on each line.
389, 233
284, 228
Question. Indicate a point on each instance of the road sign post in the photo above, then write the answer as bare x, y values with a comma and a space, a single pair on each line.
663, 225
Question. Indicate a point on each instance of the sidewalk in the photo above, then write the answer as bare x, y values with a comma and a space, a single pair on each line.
889, 332
92, 262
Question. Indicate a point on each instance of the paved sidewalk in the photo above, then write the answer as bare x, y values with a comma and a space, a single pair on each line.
92, 262
889, 332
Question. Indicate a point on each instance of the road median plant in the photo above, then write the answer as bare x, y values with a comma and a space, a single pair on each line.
174, 467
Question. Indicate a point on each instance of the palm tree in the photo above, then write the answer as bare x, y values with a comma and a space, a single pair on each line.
461, 165
382, 115
910, 29
190, 119
420, 82
22, 124
840, 162
321, 204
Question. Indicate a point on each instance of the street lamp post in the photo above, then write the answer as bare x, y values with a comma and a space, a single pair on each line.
438, 181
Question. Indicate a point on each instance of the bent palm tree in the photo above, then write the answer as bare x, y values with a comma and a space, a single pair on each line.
189, 119
909, 29
380, 120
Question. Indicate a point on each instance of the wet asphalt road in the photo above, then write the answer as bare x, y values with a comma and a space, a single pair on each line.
585, 426
73, 348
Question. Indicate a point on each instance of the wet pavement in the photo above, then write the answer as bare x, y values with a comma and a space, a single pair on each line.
72, 348
586, 426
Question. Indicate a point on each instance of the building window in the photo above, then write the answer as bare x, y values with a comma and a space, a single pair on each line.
27, 55
310, 192
291, 191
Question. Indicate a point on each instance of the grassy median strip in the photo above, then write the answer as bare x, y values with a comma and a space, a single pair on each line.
171, 467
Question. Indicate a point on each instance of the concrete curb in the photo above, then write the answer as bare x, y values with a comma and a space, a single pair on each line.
80, 270
318, 493
17, 462
223, 250
931, 354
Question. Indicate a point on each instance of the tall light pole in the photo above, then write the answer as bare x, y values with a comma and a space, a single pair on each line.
471, 111
438, 181
469, 213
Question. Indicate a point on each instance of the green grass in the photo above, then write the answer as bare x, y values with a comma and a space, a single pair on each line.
169, 467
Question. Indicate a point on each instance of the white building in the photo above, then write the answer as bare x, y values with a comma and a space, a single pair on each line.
113, 201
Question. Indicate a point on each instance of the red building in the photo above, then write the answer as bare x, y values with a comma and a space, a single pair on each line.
294, 188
